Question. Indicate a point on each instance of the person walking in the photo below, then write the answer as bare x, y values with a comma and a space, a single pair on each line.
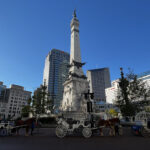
112, 129
27, 131
32, 126
116, 129
100, 124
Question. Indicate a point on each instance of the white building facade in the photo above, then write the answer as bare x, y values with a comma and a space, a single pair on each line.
112, 92
145, 77
17, 98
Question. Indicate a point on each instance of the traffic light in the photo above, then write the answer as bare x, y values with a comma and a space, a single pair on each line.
89, 107
86, 95
92, 95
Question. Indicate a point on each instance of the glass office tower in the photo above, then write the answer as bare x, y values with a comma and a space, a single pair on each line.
99, 80
55, 73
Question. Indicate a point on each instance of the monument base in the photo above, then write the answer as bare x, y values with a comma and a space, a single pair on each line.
73, 96
75, 115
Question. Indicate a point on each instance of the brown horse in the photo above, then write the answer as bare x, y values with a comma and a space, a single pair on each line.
110, 123
24, 124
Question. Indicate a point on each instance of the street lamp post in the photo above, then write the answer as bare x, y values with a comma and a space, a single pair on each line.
88, 97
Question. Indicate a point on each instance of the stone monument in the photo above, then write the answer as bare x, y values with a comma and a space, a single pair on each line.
76, 84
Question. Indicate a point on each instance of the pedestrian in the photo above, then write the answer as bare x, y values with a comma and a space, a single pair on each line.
17, 131
101, 132
112, 129
100, 124
27, 130
32, 126
116, 129
92, 121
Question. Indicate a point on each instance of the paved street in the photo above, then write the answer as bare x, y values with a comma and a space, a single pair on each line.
45, 139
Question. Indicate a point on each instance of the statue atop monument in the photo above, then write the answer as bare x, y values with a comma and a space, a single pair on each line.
74, 13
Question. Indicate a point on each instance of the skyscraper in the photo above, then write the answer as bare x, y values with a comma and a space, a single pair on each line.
3, 101
99, 80
2, 91
55, 73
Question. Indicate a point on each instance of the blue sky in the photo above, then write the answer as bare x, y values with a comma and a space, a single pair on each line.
113, 33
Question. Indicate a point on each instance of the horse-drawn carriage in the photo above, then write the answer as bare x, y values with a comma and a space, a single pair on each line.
9, 128
6, 128
85, 124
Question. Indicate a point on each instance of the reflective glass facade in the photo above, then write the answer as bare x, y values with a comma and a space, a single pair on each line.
99, 80
55, 73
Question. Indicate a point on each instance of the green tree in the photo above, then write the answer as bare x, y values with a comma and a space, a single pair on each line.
26, 109
132, 94
41, 101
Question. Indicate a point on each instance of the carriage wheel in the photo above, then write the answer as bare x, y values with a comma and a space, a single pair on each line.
61, 131
120, 131
144, 133
87, 132
3, 132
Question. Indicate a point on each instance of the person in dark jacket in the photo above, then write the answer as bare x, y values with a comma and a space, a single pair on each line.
116, 129
32, 126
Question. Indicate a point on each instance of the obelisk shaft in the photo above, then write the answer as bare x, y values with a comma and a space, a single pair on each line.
75, 54
75, 42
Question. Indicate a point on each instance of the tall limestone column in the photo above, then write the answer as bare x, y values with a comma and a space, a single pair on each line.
77, 84
75, 55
